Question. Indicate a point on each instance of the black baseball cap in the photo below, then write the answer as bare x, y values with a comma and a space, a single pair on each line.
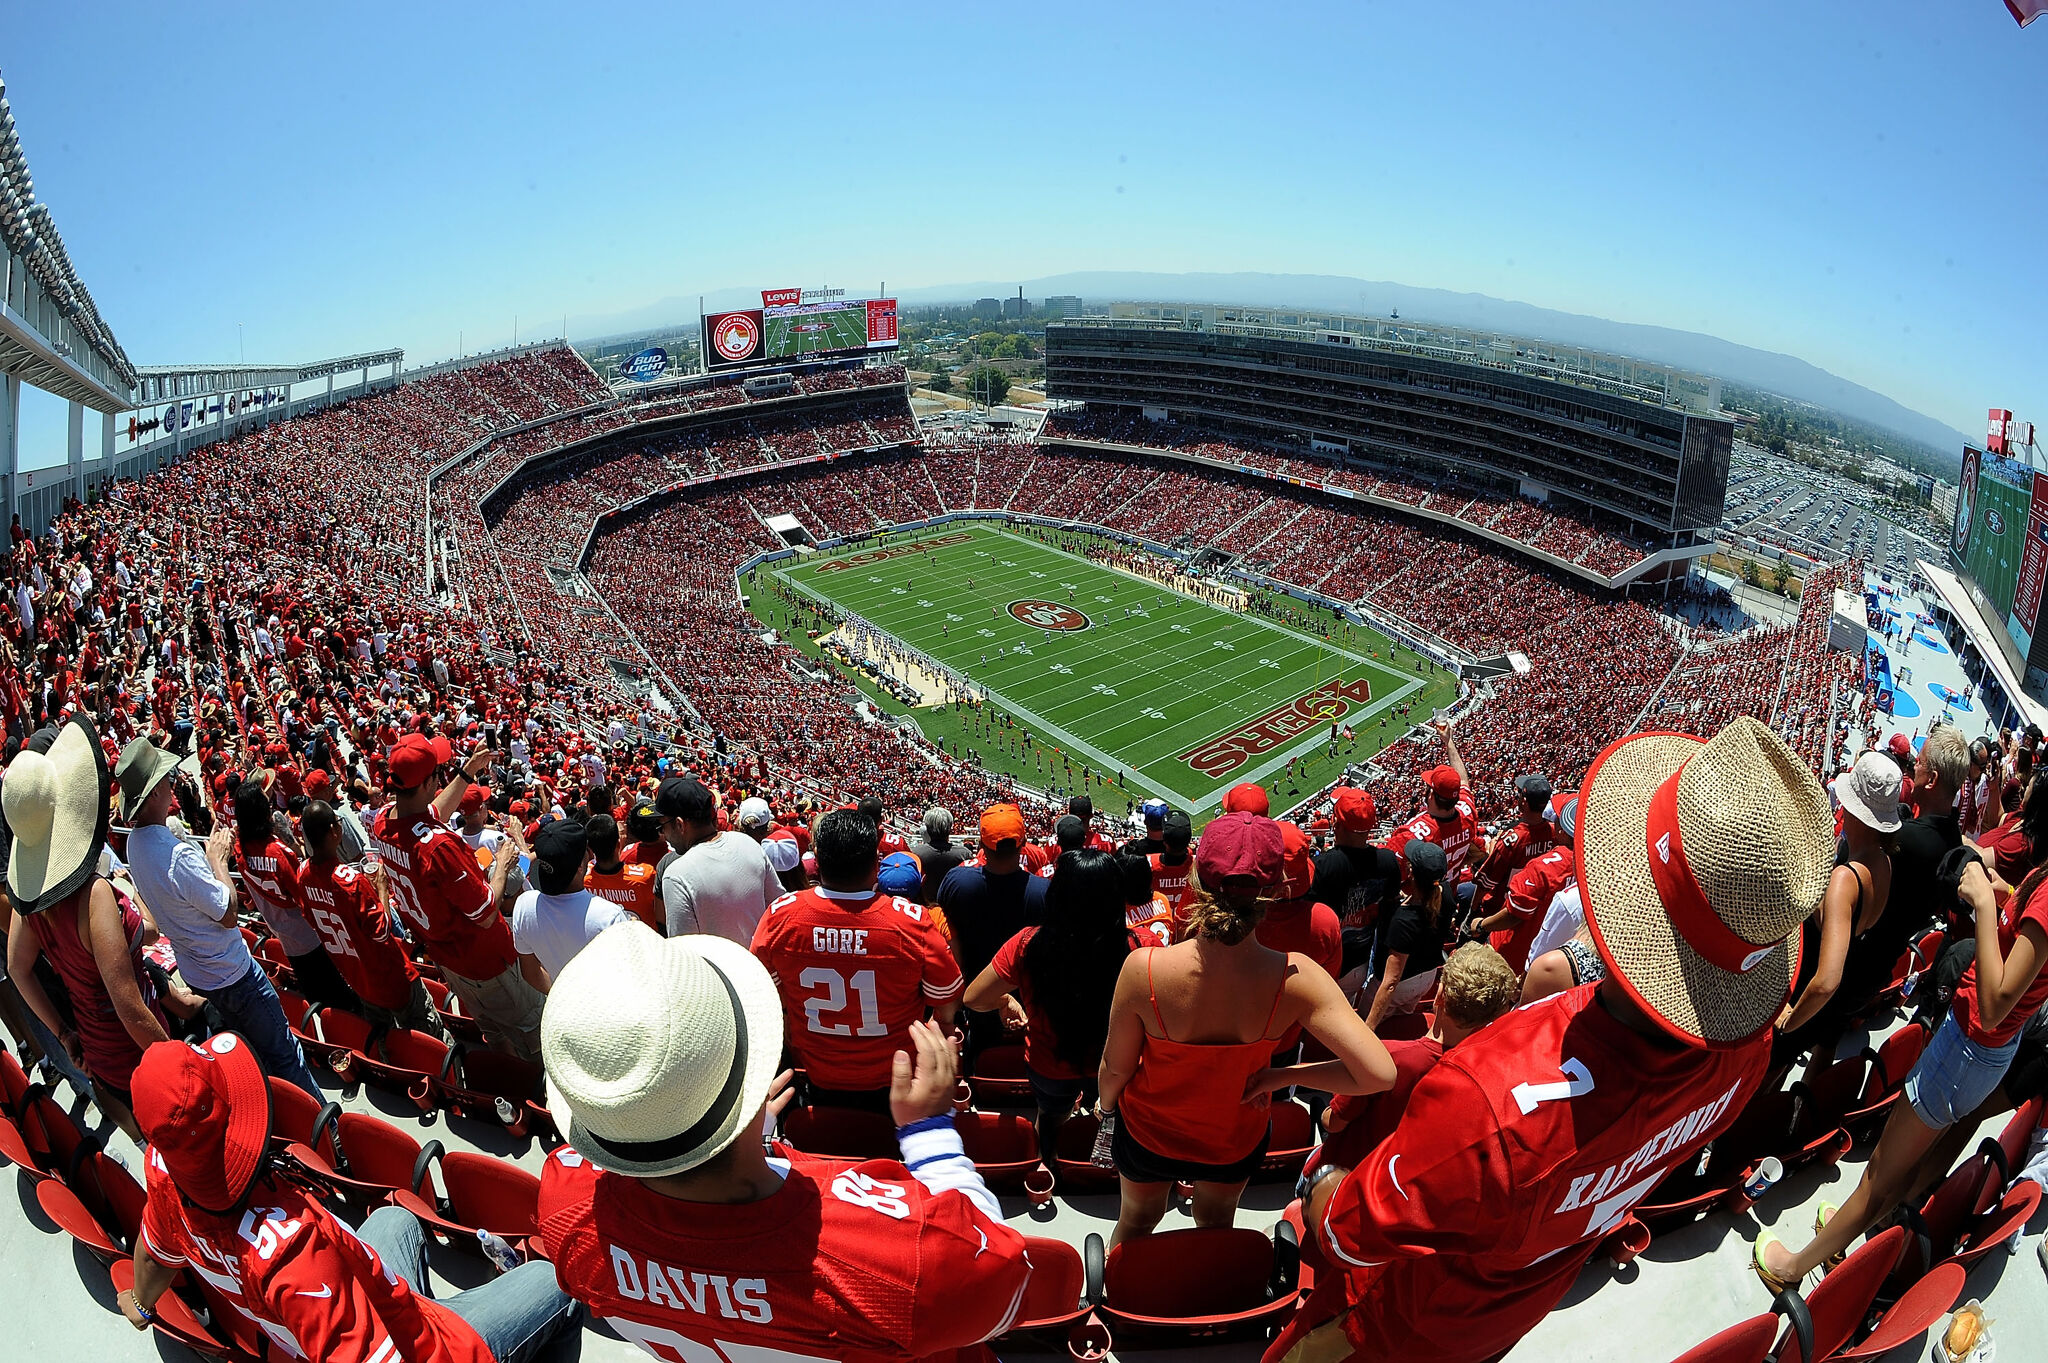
1425, 861
1177, 828
685, 798
1535, 787
558, 850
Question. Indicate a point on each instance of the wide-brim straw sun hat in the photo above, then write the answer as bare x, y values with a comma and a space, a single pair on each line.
1697, 861
659, 1051
58, 812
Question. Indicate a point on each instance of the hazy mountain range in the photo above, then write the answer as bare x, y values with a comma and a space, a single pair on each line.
1783, 374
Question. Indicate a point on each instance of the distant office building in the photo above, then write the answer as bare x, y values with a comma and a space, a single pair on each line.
1943, 501
988, 307
1014, 307
1063, 305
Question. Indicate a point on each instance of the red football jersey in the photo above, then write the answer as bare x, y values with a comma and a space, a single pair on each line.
270, 879
1453, 834
1172, 883
437, 886
1519, 1151
303, 1278
845, 1263
357, 934
854, 970
1529, 894
1510, 852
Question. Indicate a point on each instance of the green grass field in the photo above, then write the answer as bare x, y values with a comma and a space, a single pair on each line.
1183, 698
840, 329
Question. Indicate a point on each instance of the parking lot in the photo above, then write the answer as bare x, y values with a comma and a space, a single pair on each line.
1776, 502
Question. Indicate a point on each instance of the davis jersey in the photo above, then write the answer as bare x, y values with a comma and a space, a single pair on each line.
854, 971
1519, 1151
845, 1263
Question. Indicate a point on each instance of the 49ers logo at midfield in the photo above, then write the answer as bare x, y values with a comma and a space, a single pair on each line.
736, 337
1048, 615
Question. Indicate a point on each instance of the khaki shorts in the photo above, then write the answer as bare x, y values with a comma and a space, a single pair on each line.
506, 1007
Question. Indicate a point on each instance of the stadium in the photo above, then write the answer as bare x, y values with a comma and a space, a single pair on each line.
1239, 563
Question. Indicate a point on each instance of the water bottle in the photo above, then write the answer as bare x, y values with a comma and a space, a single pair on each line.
498, 1250
1105, 1133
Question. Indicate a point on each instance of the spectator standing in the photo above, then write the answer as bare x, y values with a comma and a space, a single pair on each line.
1472, 1220
454, 914
72, 917
270, 878
1153, 840
719, 883
1449, 819
1359, 881
275, 1253
855, 967
352, 913
661, 1060
629, 884
1523, 916
559, 916
1940, 771
1297, 922
987, 905
1411, 943
936, 852
1173, 869
1532, 836
1056, 982
190, 896
1186, 1070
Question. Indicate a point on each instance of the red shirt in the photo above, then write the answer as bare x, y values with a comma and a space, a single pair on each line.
1041, 1042
2012, 851
1529, 894
271, 879
437, 886
1371, 1117
1527, 1144
1313, 930
357, 934
304, 1278
855, 970
1172, 882
2010, 916
859, 1261
1511, 851
1453, 834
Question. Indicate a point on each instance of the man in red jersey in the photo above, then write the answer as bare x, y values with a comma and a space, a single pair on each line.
354, 922
448, 906
312, 1286
1173, 870
1527, 1144
666, 1215
855, 967
1530, 889
1449, 819
1532, 836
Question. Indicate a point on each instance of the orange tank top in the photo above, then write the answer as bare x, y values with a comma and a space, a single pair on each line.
1186, 1102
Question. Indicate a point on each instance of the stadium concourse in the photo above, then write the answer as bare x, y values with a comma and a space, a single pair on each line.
507, 553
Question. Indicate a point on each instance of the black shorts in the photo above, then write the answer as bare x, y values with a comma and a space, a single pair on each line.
2027, 1077
1139, 1165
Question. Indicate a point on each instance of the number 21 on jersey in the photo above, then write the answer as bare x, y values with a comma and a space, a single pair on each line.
830, 998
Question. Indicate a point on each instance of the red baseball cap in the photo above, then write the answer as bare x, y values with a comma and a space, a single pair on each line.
444, 751
318, 786
1246, 797
1297, 867
206, 1111
1444, 782
413, 760
473, 798
1354, 812
1900, 745
1240, 845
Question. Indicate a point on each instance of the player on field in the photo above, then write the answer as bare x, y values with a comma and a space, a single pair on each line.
1527, 1144
668, 1217
855, 968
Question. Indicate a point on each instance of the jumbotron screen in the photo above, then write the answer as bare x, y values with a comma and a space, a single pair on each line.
2001, 540
799, 331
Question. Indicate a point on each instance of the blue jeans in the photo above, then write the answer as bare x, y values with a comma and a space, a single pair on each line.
250, 1006
518, 1315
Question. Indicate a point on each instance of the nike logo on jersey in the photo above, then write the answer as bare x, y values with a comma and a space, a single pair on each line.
1393, 1180
984, 1242
323, 1292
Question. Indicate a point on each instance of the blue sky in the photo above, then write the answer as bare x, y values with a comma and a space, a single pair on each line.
1861, 185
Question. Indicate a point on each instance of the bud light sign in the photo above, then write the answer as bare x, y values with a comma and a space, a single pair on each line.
649, 365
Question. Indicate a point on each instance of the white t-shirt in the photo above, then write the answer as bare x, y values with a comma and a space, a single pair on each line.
720, 886
1561, 923
554, 927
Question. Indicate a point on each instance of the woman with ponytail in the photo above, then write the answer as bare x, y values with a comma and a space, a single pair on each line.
1056, 981
1185, 1077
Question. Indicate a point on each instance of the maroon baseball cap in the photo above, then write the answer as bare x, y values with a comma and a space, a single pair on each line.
206, 1111
1354, 812
1246, 797
1240, 845
413, 760
1444, 782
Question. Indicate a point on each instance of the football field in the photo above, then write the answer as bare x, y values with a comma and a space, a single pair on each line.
1120, 673
808, 332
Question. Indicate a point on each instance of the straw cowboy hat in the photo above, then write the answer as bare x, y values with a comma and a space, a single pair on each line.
56, 805
659, 1051
1698, 860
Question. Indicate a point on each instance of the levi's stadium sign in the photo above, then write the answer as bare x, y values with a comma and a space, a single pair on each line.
781, 298
1048, 615
649, 365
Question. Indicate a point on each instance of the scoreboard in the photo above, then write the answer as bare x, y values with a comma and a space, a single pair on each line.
786, 327
2000, 541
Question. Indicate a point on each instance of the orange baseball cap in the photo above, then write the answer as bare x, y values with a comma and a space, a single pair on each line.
1002, 823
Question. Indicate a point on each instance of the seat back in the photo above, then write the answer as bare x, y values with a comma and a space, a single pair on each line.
75, 1219
296, 1006
1186, 1274
338, 1027
997, 1138
481, 1070
1058, 1280
2016, 1136
1292, 1128
1924, 1303
111, 1194
1747, 1342
1953, 1202
840, 1131
999, 1062
14, 1082
292, 1113
491, 1193
1842, 1300
377, 1152
1897, 1056
1830, 1092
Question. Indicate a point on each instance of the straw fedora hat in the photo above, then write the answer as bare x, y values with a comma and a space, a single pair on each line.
1698, 860
57, 809
659, 1051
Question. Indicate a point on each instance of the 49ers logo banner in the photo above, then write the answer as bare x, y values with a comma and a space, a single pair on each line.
1048, 615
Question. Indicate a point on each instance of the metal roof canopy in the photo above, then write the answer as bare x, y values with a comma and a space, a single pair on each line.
161, 382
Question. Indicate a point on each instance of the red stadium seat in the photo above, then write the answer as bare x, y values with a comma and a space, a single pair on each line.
99, 1205
1924, 1303
178, 1322
1060, 1298
1991, 1228
1199, 1284
1747, 1342
1763, 1128
475, 1081
478, 1192
341, 1040
407, 1062
999, 1077
1291, 1136
14, 1083
365, 1157
460, 1026
1889, 1066
2008, 1150
842, 1131
44, 1142
292, 1113
1843, 1298
1073, 1161
1003, 1146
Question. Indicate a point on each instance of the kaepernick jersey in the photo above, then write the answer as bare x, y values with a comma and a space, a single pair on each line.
438, 889
1453, 834
270, 878
845, 1263
356, 931
303, 1278
855, 969
631, 887
1520, 1150
1510, 852
1529, 894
